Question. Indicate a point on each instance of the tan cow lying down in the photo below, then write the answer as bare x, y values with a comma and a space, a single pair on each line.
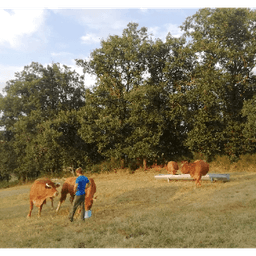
172, 167
196, 170
68, 188
41, 190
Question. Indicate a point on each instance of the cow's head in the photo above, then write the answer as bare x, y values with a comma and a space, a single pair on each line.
51, 188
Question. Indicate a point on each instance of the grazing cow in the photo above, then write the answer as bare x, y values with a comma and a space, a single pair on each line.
196, 170
41, 190
172, 167
68, 188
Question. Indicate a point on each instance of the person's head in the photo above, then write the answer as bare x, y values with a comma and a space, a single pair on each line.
79, 171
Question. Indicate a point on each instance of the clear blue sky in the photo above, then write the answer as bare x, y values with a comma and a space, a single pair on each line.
54, 34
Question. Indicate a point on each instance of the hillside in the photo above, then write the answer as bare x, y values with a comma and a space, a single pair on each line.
139, 211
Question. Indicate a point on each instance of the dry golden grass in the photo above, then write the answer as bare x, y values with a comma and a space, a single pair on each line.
137, 210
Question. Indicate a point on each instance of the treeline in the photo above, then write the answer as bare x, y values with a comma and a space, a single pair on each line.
153, 100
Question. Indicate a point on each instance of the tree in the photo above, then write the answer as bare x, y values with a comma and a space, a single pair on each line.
120, 66
127, 113
33, 102
249, 132
223, 41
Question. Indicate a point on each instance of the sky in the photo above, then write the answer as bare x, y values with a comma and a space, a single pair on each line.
67, 30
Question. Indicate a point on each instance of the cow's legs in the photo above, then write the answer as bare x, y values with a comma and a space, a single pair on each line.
58, 207
51, 201
30, 209
72, 196
63, 198
198, 183
40, 208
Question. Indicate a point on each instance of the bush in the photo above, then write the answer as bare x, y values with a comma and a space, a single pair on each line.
222, 161
248, 159
132, 165
198, 156
245, 161
6, 184
106, 166
94, 169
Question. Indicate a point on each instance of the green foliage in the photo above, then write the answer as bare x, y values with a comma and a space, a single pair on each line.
120, 65
153, 101
133, 165
8, 184
8, 158
127, 114
223, 46
34, 102
95, 168
249, 131
104, 166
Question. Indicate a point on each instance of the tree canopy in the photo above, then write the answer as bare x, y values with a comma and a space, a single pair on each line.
153, 100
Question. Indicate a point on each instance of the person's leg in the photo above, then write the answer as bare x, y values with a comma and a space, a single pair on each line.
82, 205
76, 203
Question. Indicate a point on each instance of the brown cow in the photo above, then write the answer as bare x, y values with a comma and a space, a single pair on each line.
41, 190
172, 167
196, 170
68, 188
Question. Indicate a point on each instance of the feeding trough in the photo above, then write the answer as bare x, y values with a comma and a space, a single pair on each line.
211, 176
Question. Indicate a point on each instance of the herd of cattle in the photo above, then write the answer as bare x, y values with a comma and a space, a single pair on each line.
196, 170
45, 188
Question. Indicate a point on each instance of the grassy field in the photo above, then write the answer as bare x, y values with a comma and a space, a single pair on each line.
139, 211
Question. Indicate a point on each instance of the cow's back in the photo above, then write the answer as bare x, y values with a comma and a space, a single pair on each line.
68, 188
71, 180
202, 167
69, 184
188, 168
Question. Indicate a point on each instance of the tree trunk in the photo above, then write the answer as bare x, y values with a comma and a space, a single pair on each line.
122, 163
145, 163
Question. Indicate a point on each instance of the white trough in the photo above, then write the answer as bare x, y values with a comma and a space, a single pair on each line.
211, 176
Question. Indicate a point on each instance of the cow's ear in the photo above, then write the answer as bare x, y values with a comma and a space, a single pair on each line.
57, 185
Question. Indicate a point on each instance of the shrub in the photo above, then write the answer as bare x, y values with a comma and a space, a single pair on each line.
133, 165
95, 168
6, 184
223, 162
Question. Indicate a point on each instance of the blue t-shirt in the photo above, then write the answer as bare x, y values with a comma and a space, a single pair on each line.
81, 181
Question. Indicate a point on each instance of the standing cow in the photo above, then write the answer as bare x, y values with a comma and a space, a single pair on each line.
41, 190
68, 188
172, 167
196, 170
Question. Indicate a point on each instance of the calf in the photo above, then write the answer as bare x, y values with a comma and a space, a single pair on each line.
68, 188
41, 190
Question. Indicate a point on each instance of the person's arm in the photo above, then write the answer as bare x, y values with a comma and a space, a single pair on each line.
75, 187
88, 185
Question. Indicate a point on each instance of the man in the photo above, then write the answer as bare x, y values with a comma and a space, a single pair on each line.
79, 190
